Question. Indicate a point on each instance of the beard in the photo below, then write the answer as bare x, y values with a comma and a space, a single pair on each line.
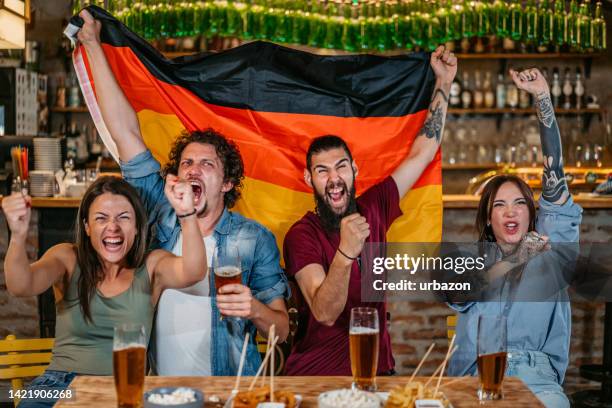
329, 218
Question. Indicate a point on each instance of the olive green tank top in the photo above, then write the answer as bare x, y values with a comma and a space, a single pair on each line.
87, 348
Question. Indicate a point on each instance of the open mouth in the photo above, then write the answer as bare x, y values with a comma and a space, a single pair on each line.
112, 244
335, 194
511, 227
197, 188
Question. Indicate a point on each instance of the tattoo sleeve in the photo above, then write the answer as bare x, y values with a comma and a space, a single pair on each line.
434, 124
554, 186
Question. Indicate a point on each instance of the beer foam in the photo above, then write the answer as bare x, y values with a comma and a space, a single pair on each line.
363, 330
227, 271
128, 346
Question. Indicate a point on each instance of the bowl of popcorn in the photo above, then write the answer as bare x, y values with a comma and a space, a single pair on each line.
182, 397
347, 398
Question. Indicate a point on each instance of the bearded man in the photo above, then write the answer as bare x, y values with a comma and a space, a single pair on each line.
322, 250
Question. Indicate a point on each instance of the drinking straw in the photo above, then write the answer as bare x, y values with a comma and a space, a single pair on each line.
439, 368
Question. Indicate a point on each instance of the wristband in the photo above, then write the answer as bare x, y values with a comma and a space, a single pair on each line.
346, 256
187, 215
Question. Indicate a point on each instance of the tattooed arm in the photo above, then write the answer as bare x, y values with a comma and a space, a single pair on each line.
554, 186
427, 142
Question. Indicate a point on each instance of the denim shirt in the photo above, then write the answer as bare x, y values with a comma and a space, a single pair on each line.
260, 259
532, 326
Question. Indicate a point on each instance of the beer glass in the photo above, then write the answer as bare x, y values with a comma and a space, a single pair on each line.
227, 267
363, 345
129, 351
492, 356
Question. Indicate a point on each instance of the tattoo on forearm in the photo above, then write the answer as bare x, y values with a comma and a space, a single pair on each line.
432, 128
545, 110
438, 91
554, 185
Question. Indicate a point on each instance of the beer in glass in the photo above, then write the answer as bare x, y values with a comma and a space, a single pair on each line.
129, 354
363, 345
492, 356
227, 267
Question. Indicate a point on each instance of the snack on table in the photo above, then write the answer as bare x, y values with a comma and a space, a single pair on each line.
347, 398
250, 399
406, 396
179, 396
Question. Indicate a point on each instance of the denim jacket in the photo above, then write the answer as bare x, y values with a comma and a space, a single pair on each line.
260, 258
543, 326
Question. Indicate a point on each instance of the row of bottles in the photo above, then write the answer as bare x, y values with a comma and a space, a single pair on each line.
82, 145
366, 25
478, 91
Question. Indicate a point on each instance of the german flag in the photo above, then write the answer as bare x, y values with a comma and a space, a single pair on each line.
272, 101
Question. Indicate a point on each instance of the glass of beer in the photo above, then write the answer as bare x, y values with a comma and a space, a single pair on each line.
227, 267
492, 356
129, 354
363, 344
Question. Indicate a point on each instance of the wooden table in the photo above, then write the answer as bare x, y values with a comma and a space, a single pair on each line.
100, 391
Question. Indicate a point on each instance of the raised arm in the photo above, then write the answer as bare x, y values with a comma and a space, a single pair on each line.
554, 186
172, 271
119, 116
23, 279
427, 142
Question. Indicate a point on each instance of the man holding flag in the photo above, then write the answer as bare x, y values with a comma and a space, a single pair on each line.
322, 250
190, 336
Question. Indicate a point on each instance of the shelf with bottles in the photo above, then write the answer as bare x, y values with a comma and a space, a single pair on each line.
521, 111
70, 109
373, 25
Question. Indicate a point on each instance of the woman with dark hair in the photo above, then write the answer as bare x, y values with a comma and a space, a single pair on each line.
538, 324
106, 278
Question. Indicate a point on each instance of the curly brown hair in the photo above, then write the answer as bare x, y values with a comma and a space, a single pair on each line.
228, 152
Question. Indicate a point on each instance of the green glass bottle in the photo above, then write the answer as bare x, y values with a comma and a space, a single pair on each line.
516, 20
545, 23
585, 25
248, 16
559, 23
483, 21
233, 26
434, 28
501, 17
598, 28
468, 19
573, 25
316, 23
530, 22
350, 26
300, 26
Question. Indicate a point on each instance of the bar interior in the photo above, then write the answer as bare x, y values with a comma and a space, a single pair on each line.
50, 144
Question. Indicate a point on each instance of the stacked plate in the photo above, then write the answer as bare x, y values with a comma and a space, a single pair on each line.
47, 153
42, 183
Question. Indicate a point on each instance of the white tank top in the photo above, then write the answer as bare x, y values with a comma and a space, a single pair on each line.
183, 330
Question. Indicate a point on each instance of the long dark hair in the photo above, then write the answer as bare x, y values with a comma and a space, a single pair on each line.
485, 207
228, 152
87, 257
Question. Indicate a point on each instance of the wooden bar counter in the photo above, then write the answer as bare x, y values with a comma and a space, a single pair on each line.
465, 201
461, 392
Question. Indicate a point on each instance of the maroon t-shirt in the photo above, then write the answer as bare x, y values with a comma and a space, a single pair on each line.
324, 350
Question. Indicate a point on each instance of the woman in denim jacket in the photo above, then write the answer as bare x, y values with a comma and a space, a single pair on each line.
538, 330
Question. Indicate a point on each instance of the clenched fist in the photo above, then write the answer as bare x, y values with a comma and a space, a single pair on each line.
179, 194
354, 230
531, 81
17, 210
89, 34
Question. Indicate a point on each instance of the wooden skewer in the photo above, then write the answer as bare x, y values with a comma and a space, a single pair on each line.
241, 365
272, 334
439, 368
267, 356
421, 363
448, 353
265, 363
